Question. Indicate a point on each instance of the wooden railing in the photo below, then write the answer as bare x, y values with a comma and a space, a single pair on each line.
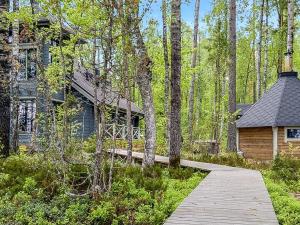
120, 131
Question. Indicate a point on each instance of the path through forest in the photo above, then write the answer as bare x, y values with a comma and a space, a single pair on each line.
228, 195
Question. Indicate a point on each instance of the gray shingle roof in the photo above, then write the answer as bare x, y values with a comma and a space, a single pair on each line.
86, 88
279, 106
242, 108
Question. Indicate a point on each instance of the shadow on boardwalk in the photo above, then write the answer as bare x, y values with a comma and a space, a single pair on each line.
228, 195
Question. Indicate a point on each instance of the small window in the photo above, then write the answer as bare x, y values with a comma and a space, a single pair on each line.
27, 110
27, 69
292, 134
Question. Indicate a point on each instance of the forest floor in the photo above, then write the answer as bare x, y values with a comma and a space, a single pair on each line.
33, 191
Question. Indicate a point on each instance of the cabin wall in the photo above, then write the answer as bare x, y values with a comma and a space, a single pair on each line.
85, 117
256, 143
283, 147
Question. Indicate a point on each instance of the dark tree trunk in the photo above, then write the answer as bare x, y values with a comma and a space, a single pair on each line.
4, 82
232, 77
167, 73
175, 128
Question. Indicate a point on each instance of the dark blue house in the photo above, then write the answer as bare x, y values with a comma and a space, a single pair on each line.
31, 101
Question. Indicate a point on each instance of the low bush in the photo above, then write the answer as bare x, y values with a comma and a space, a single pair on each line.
138, 196
287, 207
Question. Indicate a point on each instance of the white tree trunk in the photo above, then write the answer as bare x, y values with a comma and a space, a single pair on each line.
193, 65
290, 36
167, 73
258, 56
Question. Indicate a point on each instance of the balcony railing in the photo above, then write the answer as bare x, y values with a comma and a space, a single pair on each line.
120, 131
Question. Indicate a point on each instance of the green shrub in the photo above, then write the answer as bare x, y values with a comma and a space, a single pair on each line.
286, 168
139, 196
287, 208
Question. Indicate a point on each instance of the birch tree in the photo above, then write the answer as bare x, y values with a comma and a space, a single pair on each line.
193, 65
167, 72
232, 77
13, 81
259, 47
266, 61
143, 79
290, 36
175, 124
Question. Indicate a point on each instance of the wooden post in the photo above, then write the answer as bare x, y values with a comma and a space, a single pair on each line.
123, 132
275, 141
114, 131
237, 140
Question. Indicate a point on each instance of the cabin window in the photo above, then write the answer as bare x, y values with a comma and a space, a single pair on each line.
27, 110
27, 69
292, 134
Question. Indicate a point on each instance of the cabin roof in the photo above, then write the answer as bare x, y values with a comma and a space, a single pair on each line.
279, 106
85, 87
242, 108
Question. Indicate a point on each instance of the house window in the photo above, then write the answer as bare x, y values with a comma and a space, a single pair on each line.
292, 134
27, 69
27, 110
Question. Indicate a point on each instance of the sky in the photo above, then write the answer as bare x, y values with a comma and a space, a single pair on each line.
187, 11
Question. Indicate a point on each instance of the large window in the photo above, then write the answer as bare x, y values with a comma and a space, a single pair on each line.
27, 69
27, 112
292, 134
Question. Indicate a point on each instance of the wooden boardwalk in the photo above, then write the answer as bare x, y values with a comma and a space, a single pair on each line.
227, 195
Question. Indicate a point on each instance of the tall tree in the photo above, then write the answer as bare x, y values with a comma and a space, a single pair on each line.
281, 6
266, 63
167, 71
4, 81
126, 79
14, 83
290, 36
143, 78
193, 65
258, 54
175, 125
232, 77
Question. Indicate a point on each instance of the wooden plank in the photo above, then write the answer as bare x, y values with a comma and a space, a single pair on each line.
227, 195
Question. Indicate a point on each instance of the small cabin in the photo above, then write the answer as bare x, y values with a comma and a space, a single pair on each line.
272, 125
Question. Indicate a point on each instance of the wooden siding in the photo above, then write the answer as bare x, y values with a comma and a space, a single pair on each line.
85, 117
256, 143
283, 147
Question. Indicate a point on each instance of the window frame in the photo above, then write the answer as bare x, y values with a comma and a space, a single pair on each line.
286, 139
33, 114
27, 47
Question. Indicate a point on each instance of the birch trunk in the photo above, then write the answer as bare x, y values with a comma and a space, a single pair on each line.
290, 36
14, 83
126, 81
258, 58
232, 77
167, 73
4, 82
175, 128
193, 65
266, 63
98, 153
112, 158
144, 77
